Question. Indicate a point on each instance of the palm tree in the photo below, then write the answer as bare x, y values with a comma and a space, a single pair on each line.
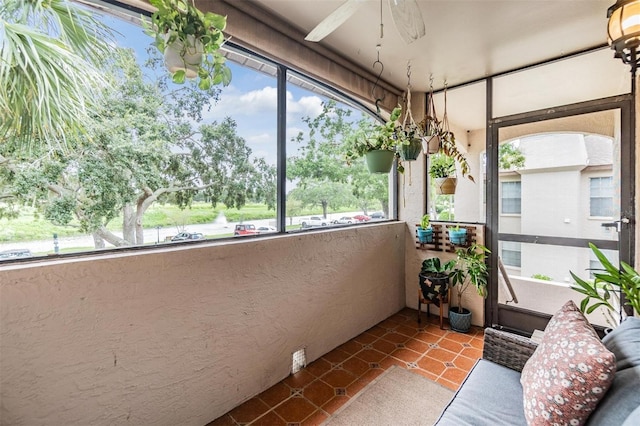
50, 56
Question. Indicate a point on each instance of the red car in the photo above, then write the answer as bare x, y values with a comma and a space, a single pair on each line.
362, 218
245, 229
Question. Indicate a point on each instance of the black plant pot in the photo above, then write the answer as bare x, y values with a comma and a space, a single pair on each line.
433, 285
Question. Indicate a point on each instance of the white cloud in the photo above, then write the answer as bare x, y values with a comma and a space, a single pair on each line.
306, 106
292, 132
260, 102
234, 103
261, 139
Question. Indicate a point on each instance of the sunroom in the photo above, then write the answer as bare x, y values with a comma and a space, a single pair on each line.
184, 333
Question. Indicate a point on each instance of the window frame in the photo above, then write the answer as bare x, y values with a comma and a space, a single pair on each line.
282, 79
610, 197
503, 198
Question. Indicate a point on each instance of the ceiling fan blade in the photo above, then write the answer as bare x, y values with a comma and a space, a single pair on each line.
334, 20
408, 19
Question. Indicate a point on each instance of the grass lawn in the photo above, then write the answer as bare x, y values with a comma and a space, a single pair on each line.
30, 226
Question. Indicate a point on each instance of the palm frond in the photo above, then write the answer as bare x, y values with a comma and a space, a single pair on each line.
49, 57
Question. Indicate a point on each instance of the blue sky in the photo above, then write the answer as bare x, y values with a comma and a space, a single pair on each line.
250, 99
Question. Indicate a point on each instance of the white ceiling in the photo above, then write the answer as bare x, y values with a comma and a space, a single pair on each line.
468, 40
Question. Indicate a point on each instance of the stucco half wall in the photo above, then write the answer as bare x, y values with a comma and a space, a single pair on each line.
183, 335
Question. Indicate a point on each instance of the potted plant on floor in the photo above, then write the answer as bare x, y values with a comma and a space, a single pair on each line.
434, 278
425, 231
604, 290
470, 269
377, 143
190, 41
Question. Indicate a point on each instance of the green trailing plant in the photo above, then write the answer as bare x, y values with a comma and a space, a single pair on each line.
177, 21
448, 148
373, 137
441, 166
387, 136
470, 269
608, 281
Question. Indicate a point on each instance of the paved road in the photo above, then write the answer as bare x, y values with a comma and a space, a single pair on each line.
151, 235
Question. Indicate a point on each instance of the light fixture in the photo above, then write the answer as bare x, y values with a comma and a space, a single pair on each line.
623, 31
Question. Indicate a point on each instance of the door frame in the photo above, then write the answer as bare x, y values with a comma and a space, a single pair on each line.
523, 320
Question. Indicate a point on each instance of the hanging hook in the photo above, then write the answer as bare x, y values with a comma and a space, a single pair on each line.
375, 85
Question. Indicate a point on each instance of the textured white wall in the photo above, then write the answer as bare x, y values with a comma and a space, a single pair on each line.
183, 335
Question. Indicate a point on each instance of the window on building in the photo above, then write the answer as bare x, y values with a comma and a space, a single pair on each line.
511, 254
511, 198
601, 196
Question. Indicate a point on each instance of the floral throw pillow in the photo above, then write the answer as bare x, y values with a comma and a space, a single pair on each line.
568, 373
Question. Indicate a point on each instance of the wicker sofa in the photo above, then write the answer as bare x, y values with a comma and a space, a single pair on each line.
493, 395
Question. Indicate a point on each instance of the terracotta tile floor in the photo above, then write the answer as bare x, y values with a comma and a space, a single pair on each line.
310, 396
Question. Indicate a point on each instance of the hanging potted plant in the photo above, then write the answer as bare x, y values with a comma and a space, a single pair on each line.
425, 231
409, 142
409, 135
190, 41
470, 269
377, 143
442, 169
448, 145
430, 127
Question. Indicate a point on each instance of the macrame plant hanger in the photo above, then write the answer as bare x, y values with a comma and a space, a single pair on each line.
431, 126
408, 116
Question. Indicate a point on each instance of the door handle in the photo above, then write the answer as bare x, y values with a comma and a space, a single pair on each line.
617, 224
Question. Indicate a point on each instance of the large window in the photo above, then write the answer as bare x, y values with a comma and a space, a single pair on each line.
168, 163
601, 196
511, 198
322, 190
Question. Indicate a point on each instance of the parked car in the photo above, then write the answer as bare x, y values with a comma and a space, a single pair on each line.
344, 219
314, 221
266, 229
15, 254
184, 236
377, 215
362, 218
245, 229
